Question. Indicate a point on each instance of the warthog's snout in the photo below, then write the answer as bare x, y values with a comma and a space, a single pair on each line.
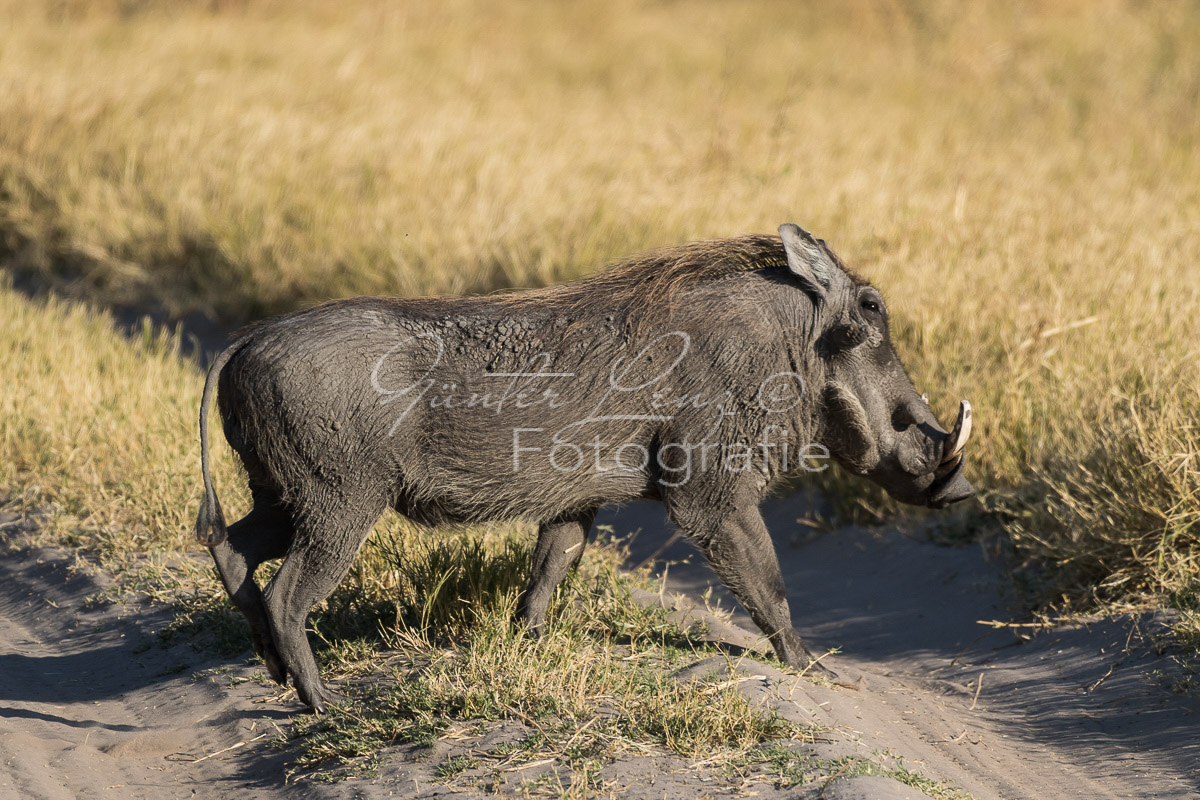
927, 468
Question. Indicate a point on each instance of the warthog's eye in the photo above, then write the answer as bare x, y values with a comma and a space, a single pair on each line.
870, 304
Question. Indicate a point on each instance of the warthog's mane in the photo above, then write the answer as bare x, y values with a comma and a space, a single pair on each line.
650, 281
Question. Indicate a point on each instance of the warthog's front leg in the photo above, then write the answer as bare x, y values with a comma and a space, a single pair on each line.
559, 546
739, 549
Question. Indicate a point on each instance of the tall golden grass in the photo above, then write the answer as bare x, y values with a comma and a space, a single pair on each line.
1021, 179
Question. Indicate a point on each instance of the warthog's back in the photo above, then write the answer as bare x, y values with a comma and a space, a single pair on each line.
526, 404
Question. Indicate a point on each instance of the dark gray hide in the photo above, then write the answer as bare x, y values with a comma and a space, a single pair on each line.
695, 376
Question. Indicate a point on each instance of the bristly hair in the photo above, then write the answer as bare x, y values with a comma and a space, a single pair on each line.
654, 277
650, 280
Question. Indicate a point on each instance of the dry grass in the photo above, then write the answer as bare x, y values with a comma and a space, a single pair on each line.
94, 429
1021, 179
596, 685
422, 644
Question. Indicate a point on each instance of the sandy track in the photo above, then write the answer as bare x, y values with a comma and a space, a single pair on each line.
88, 710
1073, 713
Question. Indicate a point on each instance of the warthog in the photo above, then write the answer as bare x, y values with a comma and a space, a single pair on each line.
694, 376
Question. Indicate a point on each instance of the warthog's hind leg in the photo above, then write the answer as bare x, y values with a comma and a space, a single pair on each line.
263, 534
559, 546
324, 547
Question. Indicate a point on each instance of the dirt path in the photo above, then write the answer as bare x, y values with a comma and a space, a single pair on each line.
90, 707
1072, 713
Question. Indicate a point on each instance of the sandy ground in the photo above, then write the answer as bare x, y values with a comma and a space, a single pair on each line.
91, 707
1074, 712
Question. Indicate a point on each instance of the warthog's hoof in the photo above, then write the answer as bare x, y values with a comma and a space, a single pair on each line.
319, 697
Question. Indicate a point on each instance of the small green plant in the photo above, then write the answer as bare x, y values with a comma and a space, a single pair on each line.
454, 766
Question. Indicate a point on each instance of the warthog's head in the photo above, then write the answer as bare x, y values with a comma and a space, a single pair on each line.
872, 419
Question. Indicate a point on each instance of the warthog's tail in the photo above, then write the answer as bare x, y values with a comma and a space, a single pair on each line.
210, 527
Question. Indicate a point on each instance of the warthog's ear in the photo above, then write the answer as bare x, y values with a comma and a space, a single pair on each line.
807, 259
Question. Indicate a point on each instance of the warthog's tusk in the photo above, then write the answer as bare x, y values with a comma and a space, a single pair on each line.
959, 434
